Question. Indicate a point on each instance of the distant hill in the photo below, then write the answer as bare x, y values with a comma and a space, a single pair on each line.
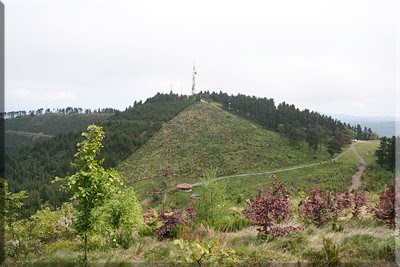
383, 125
25, 131
204, 136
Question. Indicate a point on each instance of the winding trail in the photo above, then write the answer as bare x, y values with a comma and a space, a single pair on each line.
356, 179
361, 168
352, 149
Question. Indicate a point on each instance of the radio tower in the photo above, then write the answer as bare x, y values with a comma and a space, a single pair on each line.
194, 80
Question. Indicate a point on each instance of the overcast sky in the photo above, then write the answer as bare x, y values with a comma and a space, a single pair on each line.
328, 56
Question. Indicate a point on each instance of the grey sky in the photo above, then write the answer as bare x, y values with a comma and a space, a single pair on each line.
329, 56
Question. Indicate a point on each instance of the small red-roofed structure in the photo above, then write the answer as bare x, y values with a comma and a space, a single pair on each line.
184, 187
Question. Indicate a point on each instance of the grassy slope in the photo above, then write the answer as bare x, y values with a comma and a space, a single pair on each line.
367, 150
49, 124
204, 137
375, 178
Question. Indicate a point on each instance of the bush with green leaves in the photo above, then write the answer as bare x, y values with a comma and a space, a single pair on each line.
213, 206
45, 226
91, 185
205, 252
120, 218
49, 225
22, 242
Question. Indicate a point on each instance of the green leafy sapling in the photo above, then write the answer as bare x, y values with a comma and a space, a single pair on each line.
91, 185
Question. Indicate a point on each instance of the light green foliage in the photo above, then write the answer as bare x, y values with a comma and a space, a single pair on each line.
212, 207
47, 225
201, 252
12, 205
91, 185
120, 218
43, 227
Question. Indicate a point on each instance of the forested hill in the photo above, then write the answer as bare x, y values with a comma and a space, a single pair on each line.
27, 130
34, 167
297, 125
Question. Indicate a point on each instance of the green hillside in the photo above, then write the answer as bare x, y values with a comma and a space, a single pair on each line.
202, 137
33, 167
25, 131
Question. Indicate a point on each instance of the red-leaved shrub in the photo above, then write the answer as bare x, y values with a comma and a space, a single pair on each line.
385, 208
268, 209
321, 207
347, 198
171, 219
339, 203
360, 200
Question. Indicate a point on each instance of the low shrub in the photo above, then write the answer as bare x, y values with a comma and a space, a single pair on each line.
234, 221
170, 220
120, 218
269, 209
360, 200
385, 208
321, 207
47, 225
204, 252
151, 222
213, 207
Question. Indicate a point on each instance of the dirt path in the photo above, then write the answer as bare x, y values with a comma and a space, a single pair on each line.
361, 168
356, 177
281, 170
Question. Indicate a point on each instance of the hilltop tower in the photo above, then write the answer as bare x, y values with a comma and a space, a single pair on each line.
194, 80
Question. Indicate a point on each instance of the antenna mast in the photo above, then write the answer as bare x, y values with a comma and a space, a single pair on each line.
194, 80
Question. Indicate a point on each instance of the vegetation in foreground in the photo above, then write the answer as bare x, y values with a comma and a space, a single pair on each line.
316, 227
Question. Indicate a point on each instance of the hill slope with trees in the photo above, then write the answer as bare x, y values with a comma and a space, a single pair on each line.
203, 137
32, 168
26, 130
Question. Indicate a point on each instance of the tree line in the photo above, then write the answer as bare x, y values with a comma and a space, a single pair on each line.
364, 134
297, 125
66, 111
